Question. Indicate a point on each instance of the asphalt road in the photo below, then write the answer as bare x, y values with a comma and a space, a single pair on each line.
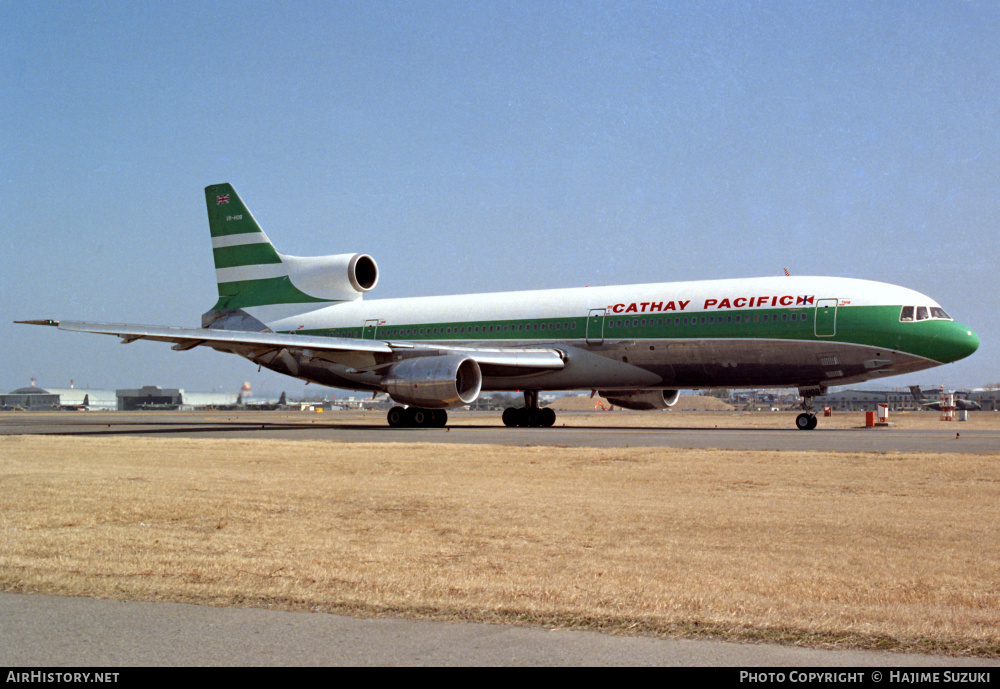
63, 632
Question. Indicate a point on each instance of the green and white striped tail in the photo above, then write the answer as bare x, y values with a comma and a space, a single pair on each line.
249, 270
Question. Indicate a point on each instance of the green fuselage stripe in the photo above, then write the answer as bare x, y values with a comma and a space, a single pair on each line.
875, 326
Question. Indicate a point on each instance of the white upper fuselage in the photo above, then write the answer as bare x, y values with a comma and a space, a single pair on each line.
674, 298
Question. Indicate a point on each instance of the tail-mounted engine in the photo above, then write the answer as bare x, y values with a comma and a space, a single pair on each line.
435, 382
642, 400
343, 277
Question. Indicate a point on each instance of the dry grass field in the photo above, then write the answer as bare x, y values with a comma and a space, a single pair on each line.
830, 549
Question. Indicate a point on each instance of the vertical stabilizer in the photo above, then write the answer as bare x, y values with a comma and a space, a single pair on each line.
252, 273
249, 270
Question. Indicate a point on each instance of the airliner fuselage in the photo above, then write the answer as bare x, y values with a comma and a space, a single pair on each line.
638, 344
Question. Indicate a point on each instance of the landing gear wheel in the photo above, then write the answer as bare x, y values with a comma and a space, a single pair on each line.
396, 417
439, 418
530, 416
805, 422
415, 416
533, 417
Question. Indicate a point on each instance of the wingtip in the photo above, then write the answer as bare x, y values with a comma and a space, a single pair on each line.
44, 321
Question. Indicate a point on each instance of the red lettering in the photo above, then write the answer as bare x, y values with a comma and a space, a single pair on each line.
644, 305
724, 304
761, 301
774, 301
670, 306
739, 302
617, 308
631, 309
655, 306
784, 302
684, 304
710, 302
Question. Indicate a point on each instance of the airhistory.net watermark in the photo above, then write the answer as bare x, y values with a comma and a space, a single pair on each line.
62, 677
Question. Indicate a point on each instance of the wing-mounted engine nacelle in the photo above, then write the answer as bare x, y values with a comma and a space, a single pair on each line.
642, 400
435, 382
342, 277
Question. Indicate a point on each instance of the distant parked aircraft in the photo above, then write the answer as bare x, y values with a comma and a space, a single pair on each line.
935, 404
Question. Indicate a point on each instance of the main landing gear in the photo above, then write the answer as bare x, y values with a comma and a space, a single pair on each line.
530, 414
416, 417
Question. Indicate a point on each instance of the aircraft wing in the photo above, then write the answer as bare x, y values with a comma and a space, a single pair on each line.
496, 360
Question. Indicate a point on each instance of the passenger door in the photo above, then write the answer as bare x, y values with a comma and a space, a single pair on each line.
595, 326
370, 329
826, 318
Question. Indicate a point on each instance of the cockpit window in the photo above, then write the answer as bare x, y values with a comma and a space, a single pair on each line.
908, 314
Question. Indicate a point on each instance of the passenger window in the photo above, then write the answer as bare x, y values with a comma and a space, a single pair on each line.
922, 314
906, 315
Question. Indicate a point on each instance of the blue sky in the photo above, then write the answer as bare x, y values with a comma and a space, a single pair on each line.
483, 146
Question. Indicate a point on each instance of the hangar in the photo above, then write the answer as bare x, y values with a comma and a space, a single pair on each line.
151, 397
148, 397
45, 399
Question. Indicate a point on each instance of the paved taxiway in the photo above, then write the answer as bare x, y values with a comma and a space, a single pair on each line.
51, 631
370, 427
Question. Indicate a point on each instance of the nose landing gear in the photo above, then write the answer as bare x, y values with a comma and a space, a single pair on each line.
806, 421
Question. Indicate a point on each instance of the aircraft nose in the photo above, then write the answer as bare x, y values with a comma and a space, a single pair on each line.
959, 342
